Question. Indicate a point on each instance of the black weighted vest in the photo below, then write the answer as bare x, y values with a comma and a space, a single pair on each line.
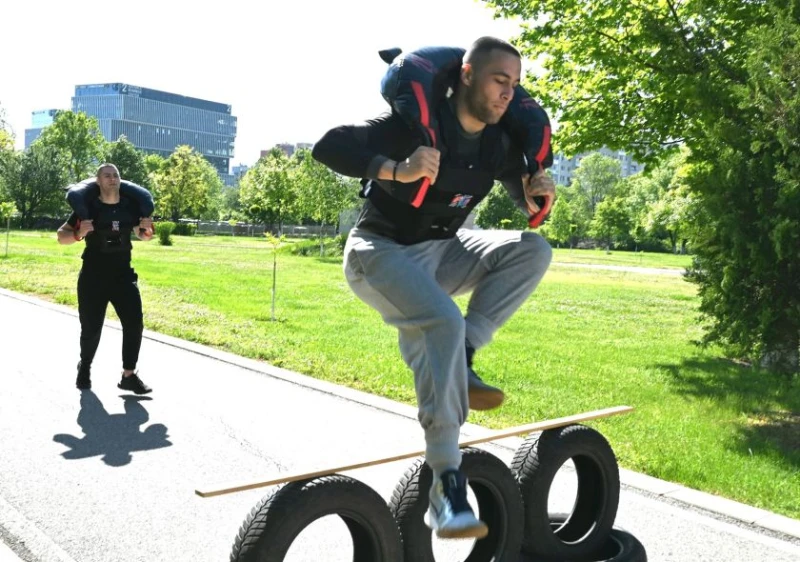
459, 186
113, 225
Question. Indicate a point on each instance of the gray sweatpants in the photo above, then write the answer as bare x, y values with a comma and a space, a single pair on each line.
411, 287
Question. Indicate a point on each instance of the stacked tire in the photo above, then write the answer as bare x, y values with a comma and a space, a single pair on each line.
499, 505
513, 503
587, 533
273, 525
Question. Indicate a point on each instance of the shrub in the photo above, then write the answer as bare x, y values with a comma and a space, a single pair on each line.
164, 231
332, 247
185, 229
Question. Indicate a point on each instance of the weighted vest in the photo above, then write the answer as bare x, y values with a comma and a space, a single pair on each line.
460, 186
113, 225
79, 196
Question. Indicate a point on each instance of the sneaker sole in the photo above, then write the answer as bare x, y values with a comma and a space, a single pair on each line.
130, 390
480, 399
478, 532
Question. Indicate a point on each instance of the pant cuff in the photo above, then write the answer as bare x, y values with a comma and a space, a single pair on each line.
441, 448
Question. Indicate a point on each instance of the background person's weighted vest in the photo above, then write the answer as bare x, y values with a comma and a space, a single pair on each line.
80, 194
113, 225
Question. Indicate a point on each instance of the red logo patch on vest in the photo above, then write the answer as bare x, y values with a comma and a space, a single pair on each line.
460, 201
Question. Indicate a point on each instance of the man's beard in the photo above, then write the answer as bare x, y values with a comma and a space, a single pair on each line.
480, 111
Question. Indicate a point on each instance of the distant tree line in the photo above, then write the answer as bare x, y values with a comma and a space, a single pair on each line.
278, 190
647, 211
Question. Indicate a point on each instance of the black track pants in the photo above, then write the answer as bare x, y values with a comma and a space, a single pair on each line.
95, 290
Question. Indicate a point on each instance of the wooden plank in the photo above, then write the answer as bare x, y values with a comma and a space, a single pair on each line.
492, 436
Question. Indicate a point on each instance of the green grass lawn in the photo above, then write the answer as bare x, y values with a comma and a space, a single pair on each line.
628, 259
587, 339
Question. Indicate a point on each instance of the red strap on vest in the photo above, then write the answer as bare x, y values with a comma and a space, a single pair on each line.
425, 120
535, 220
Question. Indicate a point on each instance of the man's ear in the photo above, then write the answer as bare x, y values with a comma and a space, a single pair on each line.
467, 74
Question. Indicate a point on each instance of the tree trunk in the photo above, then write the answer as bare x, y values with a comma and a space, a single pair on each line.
784, 356
274, 278
321, 243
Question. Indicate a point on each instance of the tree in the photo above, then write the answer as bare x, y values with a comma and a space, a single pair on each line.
748, 241
638, 191
231, 209
671, 214
596, 176
721, 78
212, 208
497, 210
154, 163
275, 242
561, 225
3, 123
322, 194
267, 193
6, 133
579, 209
186, 185
33, 181
611, 222
643, 192
7, 156
643, 76
7, 210
77, 140
6, 138
7, 151
129, 160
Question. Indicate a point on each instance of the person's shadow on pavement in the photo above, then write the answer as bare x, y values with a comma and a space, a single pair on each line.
114, 436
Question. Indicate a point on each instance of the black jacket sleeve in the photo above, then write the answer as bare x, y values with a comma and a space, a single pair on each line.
359, 151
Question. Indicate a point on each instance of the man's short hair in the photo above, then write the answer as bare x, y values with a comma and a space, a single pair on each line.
477, 54
105, 165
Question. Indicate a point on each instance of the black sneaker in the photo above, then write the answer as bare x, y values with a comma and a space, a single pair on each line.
449, 512
134, 384
83, 382
481, 395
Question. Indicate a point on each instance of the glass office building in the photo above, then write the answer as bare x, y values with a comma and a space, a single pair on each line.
39, 120
158, 122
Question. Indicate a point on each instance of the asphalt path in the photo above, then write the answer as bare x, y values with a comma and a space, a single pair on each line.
103, 476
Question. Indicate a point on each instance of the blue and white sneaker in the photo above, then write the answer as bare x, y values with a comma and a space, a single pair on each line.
449, 513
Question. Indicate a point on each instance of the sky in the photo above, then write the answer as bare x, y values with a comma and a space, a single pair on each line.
290, 70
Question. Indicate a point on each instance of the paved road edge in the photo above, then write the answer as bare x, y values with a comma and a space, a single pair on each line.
756, 517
